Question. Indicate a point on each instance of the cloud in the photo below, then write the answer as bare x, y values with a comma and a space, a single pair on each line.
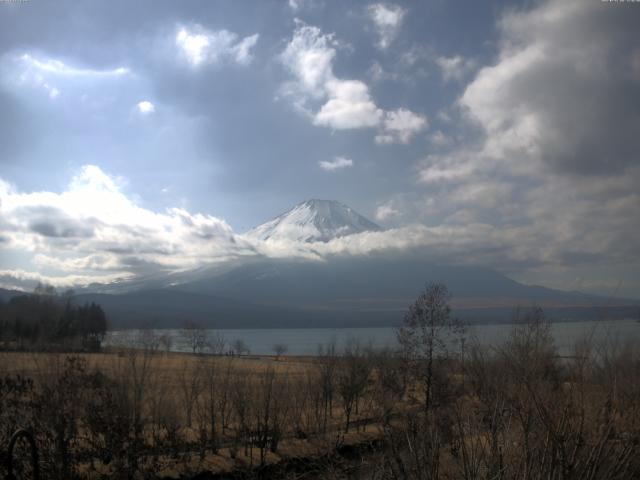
201, 46
349, 106
337, 163
95, 234
295, 5
448, 167
560, 92
399, 126
308, 57
51, 75
145, 107
53, 222
439, 139
454, 68
333, 102
242, 50
544, 155
385, 212
57, 67
388, 20
378, 73
471, 243
92, 231
27, 281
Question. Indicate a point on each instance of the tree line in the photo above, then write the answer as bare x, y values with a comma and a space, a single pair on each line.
45, 318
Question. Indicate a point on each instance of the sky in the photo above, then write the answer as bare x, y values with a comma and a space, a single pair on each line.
149, 136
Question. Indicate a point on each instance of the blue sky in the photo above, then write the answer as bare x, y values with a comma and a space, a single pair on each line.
501, 134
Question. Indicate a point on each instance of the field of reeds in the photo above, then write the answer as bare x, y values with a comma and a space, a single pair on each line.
425, 410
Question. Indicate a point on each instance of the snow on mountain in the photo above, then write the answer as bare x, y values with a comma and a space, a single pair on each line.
314, 221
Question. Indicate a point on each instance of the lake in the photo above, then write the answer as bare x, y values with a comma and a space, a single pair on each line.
305, 341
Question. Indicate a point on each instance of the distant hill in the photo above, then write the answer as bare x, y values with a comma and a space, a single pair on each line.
5, 294
170, 308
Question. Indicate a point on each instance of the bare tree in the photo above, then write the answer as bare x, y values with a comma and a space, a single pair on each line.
279, 349
390, 386
425, 336
327, 373
216, 343
353, 376
166, 342
207, 408
190, 384
240, 346
195, 336
223, 403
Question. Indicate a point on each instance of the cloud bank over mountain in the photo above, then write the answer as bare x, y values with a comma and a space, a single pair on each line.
93, 233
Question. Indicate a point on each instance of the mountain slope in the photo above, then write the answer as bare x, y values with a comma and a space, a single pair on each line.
171, 308
384, 287
314, 221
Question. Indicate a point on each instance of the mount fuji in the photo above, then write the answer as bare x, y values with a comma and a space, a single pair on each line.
314, 221
367, 290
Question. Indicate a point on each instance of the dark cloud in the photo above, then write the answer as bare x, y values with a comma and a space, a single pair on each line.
52, 222
564, 87
54, 229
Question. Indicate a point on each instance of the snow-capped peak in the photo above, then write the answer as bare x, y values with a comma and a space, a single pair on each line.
314, 221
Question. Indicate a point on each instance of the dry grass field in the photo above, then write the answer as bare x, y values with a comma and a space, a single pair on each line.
515, 411
171, 364
178, 395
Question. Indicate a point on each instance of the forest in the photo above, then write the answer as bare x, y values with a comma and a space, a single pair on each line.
46, 320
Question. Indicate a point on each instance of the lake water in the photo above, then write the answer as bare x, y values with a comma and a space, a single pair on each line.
301, 341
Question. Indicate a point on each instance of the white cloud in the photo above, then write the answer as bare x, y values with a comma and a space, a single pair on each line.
388, 20
439, 139
53, 92
336, 164
295, 5
385, 212
309, 56
22, 280
93, 230
337, 103
57, 67
51, 75
145, 107
242, 49
437, 173
194, 46
200, 46
349, 106
454, 68
399, 126
377, 72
